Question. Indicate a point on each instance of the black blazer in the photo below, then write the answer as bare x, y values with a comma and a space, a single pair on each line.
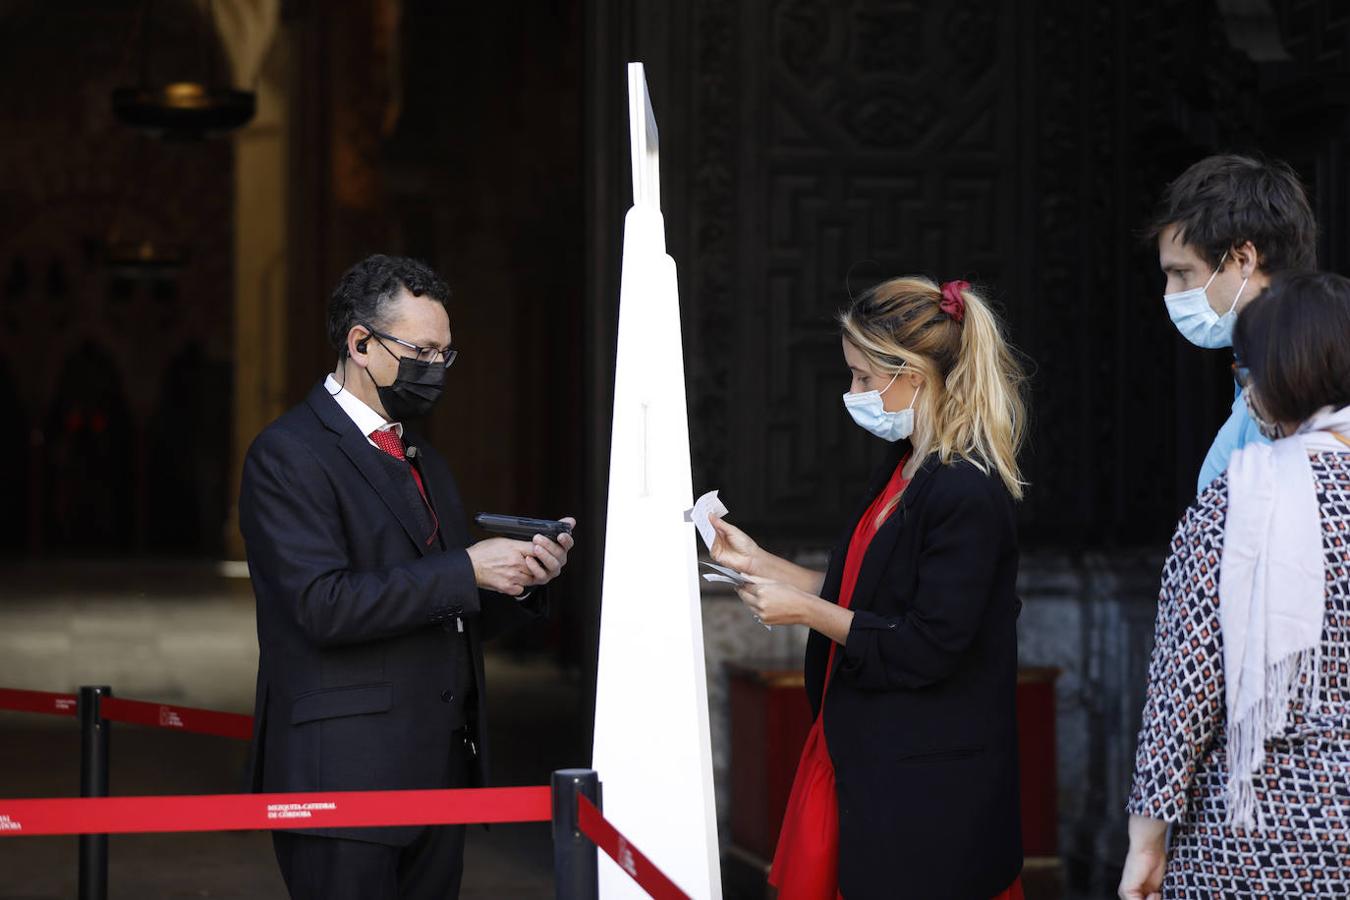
361, 666
921, 719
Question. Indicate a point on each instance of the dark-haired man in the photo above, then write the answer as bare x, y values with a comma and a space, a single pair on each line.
1223, 228
372, 602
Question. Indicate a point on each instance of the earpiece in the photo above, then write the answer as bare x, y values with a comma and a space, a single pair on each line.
361, 345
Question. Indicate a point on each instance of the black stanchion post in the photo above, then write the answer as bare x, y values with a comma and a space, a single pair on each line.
93, 783
575, 865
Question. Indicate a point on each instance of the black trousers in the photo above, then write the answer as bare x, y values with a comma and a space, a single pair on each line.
324, 868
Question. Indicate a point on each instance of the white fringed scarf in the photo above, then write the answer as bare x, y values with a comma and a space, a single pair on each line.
1272, 596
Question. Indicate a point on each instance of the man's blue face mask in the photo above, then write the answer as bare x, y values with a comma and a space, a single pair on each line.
1196, 319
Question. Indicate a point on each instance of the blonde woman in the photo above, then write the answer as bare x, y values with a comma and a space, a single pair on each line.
908, 783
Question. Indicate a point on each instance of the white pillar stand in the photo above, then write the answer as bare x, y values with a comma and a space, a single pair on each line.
652, 746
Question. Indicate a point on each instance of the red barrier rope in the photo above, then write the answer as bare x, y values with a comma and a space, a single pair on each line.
246, 812
181, 718
134, 712
38, 702
604, 835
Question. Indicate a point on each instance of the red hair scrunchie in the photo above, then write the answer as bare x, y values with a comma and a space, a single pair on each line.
953, 304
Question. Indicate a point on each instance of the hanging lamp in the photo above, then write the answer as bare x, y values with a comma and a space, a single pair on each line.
131, 250
182, 109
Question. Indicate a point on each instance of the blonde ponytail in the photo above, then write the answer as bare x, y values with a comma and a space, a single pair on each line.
984, 416
972, 404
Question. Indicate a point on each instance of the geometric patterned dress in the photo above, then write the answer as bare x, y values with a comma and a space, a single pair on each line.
1302, 847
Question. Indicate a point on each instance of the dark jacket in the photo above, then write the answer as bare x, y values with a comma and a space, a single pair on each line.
363, 674
921, 718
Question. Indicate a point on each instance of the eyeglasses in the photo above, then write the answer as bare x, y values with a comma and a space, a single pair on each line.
422, 354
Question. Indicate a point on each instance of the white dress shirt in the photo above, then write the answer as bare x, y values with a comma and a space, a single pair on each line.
366, 419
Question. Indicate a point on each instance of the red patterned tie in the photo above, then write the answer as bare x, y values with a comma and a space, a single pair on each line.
389, 441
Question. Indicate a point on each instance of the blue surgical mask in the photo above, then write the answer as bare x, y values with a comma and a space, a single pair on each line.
870, 413
1196, 319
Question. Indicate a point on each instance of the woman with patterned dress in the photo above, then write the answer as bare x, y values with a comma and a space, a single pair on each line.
1245, 743
908, 783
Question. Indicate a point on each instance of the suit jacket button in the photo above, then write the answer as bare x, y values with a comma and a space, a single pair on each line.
447, 696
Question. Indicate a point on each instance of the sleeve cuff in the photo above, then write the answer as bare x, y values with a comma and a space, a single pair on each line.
461, 591
1165, 804
862, 635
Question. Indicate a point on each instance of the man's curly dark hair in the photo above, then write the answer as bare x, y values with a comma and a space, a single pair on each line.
364, 292
1223, 201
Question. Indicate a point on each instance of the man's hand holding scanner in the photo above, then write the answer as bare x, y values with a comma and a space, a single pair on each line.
549, 556
512, 567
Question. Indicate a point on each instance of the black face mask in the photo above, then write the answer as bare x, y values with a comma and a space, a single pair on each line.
415, 390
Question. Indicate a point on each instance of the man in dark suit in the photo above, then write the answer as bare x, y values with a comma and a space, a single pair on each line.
372, 602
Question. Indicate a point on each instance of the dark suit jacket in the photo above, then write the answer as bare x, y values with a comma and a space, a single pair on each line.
357, 635
921, 719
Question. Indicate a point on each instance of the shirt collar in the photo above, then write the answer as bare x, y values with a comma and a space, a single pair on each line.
366, 419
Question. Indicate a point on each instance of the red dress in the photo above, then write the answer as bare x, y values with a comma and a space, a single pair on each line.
806, 862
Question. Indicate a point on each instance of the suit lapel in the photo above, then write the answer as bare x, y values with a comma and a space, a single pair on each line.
440, 487
834, 574
362, 455
381, 479
882, 547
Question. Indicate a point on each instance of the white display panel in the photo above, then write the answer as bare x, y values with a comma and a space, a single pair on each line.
652, 747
